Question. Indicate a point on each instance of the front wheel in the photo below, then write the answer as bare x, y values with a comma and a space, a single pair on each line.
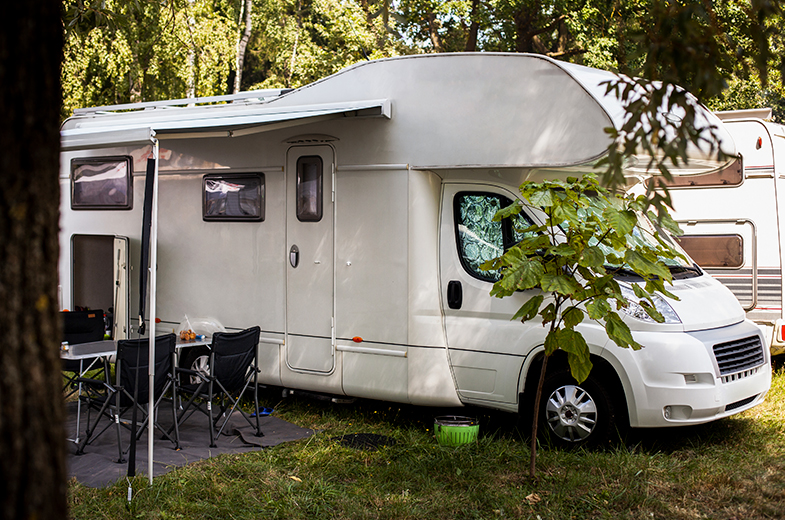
573, 414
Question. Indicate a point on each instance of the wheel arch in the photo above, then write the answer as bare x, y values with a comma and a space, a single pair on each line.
601, 369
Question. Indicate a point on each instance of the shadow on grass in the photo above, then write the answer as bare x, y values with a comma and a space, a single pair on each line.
381, 417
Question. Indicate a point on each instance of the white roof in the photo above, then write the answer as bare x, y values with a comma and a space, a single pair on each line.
486, 110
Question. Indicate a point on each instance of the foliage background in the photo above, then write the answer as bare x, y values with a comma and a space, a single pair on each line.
728, 53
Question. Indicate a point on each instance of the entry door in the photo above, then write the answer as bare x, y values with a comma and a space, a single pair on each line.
310, 259
100, 277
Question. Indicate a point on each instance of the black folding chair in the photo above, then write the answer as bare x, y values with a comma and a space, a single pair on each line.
80, 327
132, 386
234, 365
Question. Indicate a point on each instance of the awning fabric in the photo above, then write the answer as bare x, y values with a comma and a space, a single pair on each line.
164, 123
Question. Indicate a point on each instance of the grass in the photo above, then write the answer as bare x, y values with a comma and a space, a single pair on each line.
729, 469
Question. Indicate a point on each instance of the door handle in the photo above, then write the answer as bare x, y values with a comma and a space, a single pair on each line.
454, 294
294, 256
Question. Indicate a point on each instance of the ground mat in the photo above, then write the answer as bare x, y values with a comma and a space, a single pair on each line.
98, 466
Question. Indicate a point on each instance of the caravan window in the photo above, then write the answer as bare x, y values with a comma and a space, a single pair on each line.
731, 175
102, 183
309, 188
714, 250
480, 238
238, 197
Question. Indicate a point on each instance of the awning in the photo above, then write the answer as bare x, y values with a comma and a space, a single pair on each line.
80, 140
95, 132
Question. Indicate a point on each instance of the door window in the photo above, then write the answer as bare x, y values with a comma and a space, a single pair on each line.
480, 238
309, 188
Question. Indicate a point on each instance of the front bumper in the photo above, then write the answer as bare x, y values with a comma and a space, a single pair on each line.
676, 379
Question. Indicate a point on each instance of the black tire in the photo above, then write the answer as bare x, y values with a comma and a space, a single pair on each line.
577, 415
194, 358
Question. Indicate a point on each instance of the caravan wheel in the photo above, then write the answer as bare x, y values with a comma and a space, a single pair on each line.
197, 359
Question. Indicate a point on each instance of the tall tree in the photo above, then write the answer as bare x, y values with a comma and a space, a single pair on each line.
295, 42
243, 43
32, 437
121, 52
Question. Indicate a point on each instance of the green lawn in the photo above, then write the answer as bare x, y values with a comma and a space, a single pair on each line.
730, 469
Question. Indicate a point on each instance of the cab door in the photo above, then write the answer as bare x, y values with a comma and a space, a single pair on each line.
310, 276
486, 349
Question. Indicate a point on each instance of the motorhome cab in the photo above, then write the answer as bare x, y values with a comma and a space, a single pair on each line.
733, 219
348, 219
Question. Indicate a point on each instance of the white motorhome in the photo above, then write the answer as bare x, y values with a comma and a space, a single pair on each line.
348, 218
733, 219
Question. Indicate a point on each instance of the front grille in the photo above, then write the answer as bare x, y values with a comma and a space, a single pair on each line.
739, 355
739, 404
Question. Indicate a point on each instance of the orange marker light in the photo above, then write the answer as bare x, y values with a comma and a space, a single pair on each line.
357, 339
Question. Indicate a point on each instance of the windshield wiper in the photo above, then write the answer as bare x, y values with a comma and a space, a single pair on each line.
685, 271
623, 272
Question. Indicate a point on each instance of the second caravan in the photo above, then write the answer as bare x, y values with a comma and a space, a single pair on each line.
733, 220
348, 218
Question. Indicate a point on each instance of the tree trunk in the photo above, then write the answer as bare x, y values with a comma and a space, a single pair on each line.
536, 419
241, 45
525, 27
32, 436
433, 31
474, 28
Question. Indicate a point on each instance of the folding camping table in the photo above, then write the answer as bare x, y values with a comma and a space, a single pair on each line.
102, 351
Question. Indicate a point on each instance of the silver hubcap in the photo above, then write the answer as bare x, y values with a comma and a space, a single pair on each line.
201, 365
571, 413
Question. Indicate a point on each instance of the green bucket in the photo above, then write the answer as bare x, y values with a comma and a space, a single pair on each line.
454, 430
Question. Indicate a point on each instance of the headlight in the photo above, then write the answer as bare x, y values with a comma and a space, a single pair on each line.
636, 310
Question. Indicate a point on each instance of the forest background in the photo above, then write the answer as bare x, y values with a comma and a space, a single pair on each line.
121, 51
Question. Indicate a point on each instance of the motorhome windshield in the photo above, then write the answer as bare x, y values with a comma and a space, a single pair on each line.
644, 234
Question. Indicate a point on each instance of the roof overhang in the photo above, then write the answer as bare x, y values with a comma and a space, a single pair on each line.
96, 132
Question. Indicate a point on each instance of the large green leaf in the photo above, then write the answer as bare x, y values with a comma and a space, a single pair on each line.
563, 249
598, 308
592, 256
559, 283
645, 266
622, 222
512, 209
529, 309
572, 317
566, 212
578, 355
619, 332
541, 198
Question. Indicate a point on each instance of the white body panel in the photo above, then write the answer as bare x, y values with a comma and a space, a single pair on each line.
365, 312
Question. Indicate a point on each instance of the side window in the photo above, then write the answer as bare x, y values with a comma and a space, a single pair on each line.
238, 197
102, 183
731, 175
480, 238
309, 188
725, 251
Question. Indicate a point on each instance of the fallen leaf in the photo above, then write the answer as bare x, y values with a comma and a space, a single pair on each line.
296, 479
533, 498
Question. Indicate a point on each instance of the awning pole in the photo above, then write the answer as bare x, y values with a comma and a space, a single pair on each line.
151, 334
